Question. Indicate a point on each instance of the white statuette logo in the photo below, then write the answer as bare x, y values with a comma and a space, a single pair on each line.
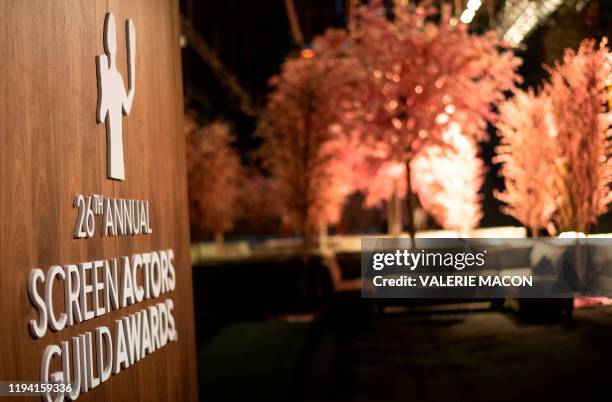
113, 101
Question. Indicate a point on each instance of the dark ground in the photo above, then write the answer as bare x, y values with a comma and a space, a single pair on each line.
253, 362
430, 353
478, 356
466, 356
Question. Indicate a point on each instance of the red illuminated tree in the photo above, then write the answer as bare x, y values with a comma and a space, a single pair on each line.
448, 179
579, 94
301, 137
422, 75
214, 178
528, 152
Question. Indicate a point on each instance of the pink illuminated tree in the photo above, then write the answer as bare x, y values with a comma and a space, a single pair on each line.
578, 91
370, 173
528, 153
447, 180
369, 169
214, 178
422, 75
381, 181
301, 138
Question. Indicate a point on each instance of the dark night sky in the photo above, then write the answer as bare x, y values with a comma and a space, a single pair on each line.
252, 38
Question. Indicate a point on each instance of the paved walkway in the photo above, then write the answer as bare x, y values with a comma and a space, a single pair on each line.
478, 356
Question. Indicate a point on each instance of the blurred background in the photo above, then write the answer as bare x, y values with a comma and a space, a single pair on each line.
279, 314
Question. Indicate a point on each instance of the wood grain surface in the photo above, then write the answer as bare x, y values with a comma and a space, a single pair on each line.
51, 148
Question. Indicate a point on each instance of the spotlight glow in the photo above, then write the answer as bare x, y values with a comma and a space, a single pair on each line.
474, 4
470, 11
467, 16
307, 53
519, 17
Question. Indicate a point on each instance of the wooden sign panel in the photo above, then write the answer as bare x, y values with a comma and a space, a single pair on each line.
95, 275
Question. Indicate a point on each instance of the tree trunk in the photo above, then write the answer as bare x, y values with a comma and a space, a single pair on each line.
410, 207
323, 236
219, 239
394, 213
391, 230
534, 232
305, 274
308, 240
